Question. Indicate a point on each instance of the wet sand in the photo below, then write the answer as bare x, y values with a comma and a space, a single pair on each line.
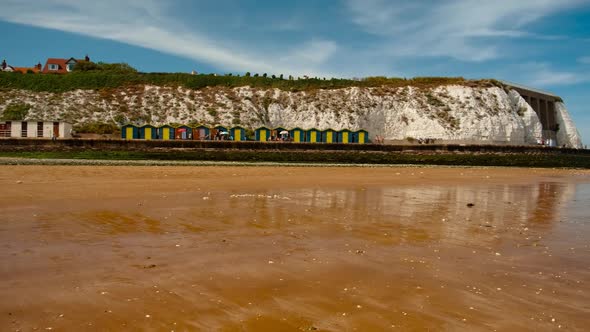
293, 249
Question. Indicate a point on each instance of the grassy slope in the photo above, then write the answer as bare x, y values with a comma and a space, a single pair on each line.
106, 80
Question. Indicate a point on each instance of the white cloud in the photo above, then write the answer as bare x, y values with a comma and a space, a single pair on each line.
145, 23
584, 60
460, 29
543, 75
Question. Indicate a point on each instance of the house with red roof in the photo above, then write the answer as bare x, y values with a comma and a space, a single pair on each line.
6, 67
25, 70
61, 66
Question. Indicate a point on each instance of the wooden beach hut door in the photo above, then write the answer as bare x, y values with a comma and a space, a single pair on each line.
262, 135
297, 136
314, 137
344, 137
129, 133
148, 133
56, 129
166, 133
362, 137
237, 134
329, 136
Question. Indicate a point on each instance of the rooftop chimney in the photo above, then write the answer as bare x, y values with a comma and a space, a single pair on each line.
3, 64
87, 58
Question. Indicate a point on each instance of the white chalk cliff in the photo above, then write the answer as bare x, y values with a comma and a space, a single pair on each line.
467, 114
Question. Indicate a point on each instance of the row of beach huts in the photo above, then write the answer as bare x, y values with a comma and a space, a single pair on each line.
238, 133
35, 129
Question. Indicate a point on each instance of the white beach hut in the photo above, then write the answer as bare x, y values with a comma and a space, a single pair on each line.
35, 129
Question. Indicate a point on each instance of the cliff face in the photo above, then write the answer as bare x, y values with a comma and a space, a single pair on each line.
453, 112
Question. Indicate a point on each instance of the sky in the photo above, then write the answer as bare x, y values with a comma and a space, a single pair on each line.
540, 43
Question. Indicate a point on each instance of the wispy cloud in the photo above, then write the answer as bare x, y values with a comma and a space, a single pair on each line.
460, 29
544, 75
371, 37
146, 23
584, 60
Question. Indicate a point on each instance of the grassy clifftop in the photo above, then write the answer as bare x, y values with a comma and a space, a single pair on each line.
106, 80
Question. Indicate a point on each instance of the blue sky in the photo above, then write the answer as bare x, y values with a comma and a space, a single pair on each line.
541, 43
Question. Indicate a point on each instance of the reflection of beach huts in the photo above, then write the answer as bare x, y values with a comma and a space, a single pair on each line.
344, 136
166, 132
147, 132
262, 134
129, 131
238, 133
313, 136
297, 134
201, 132
183, 132
329, 136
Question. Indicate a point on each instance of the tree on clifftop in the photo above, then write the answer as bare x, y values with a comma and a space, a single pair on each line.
117, 68
16, 111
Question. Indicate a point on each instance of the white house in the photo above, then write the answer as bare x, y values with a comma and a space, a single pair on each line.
35, 129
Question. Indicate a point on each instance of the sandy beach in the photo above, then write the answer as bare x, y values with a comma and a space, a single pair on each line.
98, 248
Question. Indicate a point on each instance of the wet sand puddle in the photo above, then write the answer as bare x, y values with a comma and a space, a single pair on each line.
240, 249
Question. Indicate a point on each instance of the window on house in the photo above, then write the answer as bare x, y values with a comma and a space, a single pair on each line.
53, 67
70, 66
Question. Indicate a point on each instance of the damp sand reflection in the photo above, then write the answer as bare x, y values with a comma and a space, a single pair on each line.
269, 249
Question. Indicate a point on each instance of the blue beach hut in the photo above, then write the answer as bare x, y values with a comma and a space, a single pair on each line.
313, 136
166, 132
129, 132
262, 134
297, 135
147, 132
238, 133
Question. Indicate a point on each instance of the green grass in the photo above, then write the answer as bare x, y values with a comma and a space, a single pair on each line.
340, 157
110, 80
